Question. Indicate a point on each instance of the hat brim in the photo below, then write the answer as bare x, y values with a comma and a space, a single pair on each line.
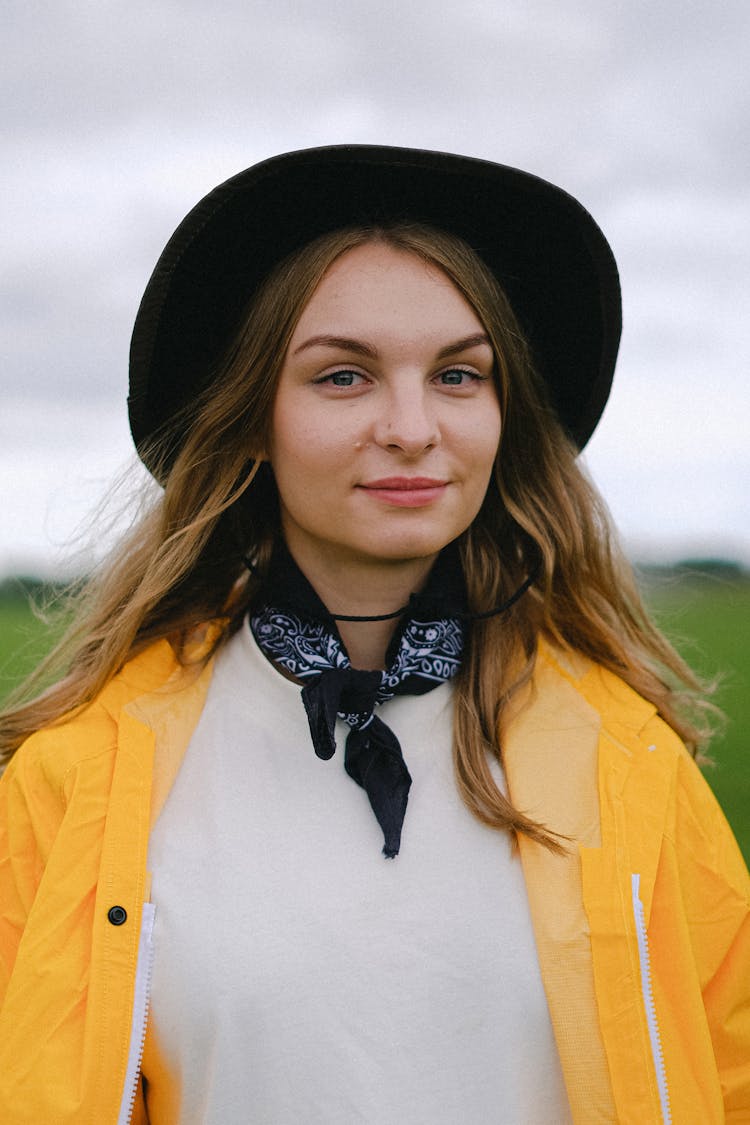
545, 249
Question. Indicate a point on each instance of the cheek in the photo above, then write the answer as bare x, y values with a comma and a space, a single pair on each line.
486, 440
288, 438
301, 453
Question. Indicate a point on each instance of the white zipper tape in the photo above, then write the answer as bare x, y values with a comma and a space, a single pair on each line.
139, 1022
648, 999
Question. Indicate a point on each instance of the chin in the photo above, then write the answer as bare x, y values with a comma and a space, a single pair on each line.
413, 547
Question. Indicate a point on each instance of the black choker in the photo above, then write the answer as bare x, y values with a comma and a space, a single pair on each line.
415, 598
417, 604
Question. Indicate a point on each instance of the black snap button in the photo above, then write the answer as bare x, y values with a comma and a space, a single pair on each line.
117, 915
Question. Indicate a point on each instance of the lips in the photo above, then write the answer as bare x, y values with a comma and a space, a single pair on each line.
405, 484
406, 492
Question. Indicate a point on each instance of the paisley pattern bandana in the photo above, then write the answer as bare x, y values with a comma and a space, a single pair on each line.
295, 631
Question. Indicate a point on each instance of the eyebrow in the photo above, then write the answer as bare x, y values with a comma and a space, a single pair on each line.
360, 347
342, 343
479, 339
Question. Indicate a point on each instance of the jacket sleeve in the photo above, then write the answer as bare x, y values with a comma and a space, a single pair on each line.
716, 893
54, 801
31, 810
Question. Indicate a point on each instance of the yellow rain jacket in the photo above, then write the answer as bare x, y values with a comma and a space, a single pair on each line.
643, 928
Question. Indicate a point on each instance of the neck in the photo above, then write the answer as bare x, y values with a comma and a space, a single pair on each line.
366, 590
366, 642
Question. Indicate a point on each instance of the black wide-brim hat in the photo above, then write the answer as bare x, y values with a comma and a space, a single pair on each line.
545, 249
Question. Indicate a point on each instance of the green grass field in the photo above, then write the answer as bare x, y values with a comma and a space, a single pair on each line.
708, 620
707, 617
24, 638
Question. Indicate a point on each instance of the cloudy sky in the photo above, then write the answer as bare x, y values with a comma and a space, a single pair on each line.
119, 115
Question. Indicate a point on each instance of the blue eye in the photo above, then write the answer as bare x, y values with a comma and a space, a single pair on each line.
341, 378
457, 377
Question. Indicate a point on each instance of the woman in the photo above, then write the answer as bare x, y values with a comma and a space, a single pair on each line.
362, 376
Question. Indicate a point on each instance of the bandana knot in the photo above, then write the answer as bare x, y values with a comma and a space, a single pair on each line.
296, 632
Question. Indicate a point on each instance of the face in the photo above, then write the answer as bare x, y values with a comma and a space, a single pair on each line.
386, 420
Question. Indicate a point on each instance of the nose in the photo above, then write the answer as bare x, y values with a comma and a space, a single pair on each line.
406, 421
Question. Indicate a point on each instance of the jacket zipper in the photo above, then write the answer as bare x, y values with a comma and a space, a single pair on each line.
144, 966
648, 999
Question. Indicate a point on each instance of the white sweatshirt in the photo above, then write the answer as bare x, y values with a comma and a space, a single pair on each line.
301, 977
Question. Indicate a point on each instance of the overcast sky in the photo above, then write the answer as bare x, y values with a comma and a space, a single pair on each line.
118, 116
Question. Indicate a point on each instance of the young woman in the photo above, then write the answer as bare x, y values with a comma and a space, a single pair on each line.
365, 793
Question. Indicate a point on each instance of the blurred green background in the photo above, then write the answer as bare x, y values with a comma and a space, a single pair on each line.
703, 607
705, 611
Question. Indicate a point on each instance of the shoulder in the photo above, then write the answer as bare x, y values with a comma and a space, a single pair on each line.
49, 755
645, 768
67, 773
642, 762
628, 717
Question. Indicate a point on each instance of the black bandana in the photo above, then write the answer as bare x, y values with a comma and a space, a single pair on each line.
296, 631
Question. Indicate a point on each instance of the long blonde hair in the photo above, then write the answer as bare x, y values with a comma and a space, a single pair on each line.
182, 564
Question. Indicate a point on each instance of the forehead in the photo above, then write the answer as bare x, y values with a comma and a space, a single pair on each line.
379, 283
